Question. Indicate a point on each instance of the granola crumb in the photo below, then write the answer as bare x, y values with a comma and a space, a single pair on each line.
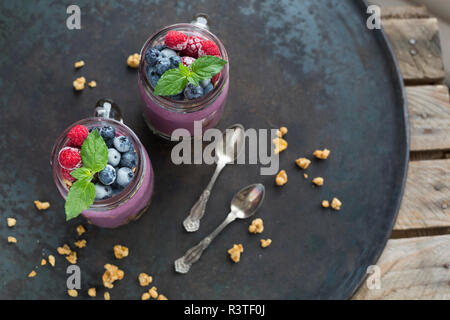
41, 205
80, 230
321, 154
32, 274
12, 239
265, 243
162, 297
257, 226
318, 181
325, 204
145, 296
51, 260
280, 145
11, 222
43, 262
281, 178
235, 252
133, 60
107, 296
79, 64
92, 84
120, 252
64, 250
336, 204
111, 274
67, 183
305, 176
281, 132
153, 292
73, 293
92, 292
144, 279
78, 83
72, 257
80, 243
303, 162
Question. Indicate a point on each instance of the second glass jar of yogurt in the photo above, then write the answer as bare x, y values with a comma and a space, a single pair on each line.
164, 114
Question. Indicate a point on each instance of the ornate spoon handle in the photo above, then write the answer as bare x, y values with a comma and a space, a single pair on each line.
192, 222
183, 264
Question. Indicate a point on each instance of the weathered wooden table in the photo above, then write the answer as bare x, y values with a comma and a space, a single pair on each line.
416, 261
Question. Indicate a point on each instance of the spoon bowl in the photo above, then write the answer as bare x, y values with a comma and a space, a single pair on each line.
248, 200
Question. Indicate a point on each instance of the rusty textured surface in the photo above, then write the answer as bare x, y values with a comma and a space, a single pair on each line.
312, 66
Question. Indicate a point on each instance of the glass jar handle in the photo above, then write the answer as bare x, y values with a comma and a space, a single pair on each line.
107, 108
201, 20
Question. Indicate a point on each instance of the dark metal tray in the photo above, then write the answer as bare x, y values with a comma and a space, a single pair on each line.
311, 66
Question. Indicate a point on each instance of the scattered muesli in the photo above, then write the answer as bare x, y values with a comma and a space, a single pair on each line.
153, 292
73, 293
336, 204
41, 205
321, 154
162, 297
265, 243
280, 145
64, 250
111, 274
92, 292
144, 279
281, 132
235, 252
51, 260
43, 262
257, 226
120, 252
11, 222
107, 296
32, 274
303, 162
133, 60
78, 83
281, 178
318, 181
145, 296
12, 239
325, 204
79, 64
80, 230
80, 243
92, 84
72, 257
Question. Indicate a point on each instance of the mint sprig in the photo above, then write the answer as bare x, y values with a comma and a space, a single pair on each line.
173, 81
94, 155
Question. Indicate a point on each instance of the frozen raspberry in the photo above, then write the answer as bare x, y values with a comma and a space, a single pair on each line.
176, 40
193, 45
208, 48
187, 61
77, 135
66, 175
215, 78
69, 158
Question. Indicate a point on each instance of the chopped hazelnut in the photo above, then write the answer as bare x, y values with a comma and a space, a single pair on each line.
336, 204
318, 181
265, 243
80, 243
153, 292
162, 297
107, 296
281, 178
51, 260
133, 60
235, 252
11, 222
43, 262
72, 257
92, 84
145, 296
303, 162
92, 292
111, 274
42, 205
80, 230
73, 293
144, 279
257, 226
78, 83
280, 145
120, 252
64, 250
32, 274
321, 154
325, 204
79, 64
12, 239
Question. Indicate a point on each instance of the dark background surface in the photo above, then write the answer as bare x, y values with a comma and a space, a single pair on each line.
312, 66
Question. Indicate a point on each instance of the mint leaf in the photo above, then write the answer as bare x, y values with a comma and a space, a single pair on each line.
184, 70
172, 82
194, 79
207, 66
82, 174
94, 152
80, 197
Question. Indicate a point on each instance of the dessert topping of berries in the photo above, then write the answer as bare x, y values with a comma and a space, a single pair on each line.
187, 61
69, 158
176, 40
193, 46
77, 135
208, 48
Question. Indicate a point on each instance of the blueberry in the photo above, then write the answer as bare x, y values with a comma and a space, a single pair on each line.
124, 176
129, 159
205, 83
162, 65
178, 97
108, 175
151, 56
193, 92
152, 76
122, 144
165, 53
102, 192
113, 157
110, 143
107, 132
174, 61
208, 88
160, 47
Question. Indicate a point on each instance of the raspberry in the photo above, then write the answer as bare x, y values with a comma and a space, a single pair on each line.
215, 78
193, 45
187, 61
66, 175
77, 135
176, 40
69, 158
208, 48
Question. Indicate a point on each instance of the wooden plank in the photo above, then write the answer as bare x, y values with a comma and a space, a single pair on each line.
404, 12
429, 116
417, 46
426, 200
413, 268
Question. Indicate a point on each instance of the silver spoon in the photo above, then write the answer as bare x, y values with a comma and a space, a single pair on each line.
244, 205
227, 150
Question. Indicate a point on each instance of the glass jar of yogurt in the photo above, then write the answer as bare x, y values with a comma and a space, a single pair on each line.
165, 114
121, 206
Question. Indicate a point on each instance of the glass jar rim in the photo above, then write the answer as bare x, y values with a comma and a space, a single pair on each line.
123, 195
188, 105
